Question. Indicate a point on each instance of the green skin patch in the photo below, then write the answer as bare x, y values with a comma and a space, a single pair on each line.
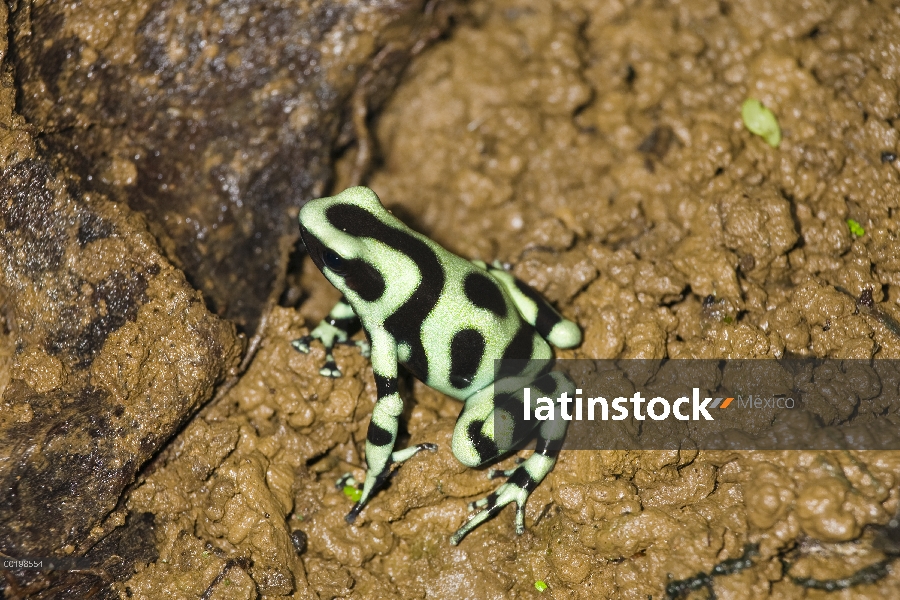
760, 120
446, 320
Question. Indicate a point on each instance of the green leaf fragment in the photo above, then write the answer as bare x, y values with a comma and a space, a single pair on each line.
855, 228
540, 585
761, 121
352, 493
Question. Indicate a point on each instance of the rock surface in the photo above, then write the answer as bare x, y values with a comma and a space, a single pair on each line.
216, 120
109, 351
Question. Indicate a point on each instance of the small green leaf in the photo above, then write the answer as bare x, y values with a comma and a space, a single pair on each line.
855, 228
540, 586
728, 320
352, 493
761, 121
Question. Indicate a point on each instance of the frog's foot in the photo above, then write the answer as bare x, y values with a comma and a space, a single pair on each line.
335, 329
523, 479
301, 344
330, 368
407, 453
507, 493
373, 484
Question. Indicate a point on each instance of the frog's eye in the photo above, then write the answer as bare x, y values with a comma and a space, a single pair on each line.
332, 260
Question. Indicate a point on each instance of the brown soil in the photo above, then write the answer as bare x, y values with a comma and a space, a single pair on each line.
599, 147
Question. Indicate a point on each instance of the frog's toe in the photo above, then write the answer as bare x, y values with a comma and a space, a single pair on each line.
302, 344
354, 512
520, 518
476, 504
330, 369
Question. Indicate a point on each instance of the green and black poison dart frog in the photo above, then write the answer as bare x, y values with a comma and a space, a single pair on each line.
446, 319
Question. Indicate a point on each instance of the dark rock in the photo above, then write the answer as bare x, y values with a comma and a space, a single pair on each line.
113, 350
216, 120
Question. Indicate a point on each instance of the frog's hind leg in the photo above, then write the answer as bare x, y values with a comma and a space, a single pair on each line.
337, 328
486, 430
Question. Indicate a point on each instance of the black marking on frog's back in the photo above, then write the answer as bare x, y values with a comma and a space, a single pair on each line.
405, 324
546, 318
466, 352
484, 292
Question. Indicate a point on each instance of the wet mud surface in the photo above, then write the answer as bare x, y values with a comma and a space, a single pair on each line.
599, 148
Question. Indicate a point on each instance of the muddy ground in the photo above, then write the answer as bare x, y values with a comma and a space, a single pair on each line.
598, 147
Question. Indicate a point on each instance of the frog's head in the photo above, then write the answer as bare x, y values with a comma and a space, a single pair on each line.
340, 234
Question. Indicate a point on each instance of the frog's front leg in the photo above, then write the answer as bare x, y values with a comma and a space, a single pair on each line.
337, 328
382, 433
487, 429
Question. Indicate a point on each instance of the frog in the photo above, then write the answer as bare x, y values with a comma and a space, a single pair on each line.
446, 320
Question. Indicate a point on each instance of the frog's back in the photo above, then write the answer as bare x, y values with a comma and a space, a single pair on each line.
456, 320
456, 325
450, 318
